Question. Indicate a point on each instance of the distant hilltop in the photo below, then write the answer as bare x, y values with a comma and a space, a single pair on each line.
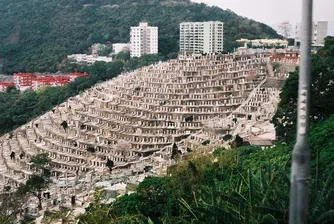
36, 35
127, 3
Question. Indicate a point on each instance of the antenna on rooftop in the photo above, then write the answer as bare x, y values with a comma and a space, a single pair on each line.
300, 175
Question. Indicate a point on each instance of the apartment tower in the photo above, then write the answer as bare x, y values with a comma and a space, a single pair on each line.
144, 40
202, 37
319, 32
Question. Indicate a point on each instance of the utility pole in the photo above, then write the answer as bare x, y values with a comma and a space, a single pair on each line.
300, 176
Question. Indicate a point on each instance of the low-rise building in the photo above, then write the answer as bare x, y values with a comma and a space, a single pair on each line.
265, 43
50, 81
5, 85
89, 59
121, 47
23, 81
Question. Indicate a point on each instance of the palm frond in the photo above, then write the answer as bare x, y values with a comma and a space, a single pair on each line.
269, 219
326, 217
268, 210
243, 178
187, 206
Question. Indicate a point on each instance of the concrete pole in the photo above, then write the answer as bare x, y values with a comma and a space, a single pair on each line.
300, 176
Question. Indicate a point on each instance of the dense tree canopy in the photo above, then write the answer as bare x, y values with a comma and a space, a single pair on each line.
36, 35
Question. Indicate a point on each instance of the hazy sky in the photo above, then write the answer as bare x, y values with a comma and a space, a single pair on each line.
272, 12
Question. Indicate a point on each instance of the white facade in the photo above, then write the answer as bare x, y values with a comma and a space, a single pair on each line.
144, 40
121, 47
202, 37
319, 32
89, 59
265, 42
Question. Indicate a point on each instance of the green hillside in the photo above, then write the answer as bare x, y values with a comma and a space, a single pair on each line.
36, 34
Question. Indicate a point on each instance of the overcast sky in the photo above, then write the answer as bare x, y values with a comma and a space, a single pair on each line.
272, 12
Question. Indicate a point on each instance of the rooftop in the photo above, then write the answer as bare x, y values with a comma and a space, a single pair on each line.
7, 84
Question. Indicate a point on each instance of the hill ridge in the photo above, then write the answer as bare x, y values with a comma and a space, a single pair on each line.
36, 35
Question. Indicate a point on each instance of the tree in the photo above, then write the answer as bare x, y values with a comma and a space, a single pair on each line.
227, 137
238, 142
12, 155
35, 185
64, 125
7, 188
189, 118
97, 212
11, 89
128, 205
172, 55
285, 29
154, 192
110, 164
175, 151
322, 148
91, 149
123, 56
150, 200
105, 51
40, 161
10, 206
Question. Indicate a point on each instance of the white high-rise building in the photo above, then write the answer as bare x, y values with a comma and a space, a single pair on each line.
319, 32
202, 37
144, 40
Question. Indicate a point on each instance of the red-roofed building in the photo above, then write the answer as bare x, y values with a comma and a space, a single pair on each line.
51, 81
23, 81
62, 80
5, 85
